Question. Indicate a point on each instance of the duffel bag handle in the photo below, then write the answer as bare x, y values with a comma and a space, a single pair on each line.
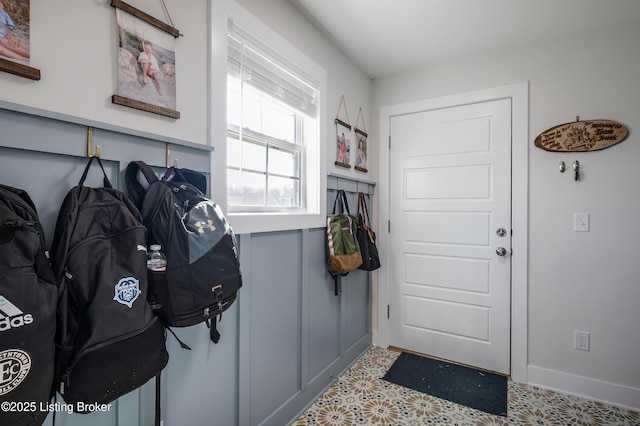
341, 203
362, 207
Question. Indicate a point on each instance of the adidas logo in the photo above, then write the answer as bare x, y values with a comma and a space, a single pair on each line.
11, 316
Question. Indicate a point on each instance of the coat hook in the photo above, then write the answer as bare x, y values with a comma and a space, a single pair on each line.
168, 159
90, 152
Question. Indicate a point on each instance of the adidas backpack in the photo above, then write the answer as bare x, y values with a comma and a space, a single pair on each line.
203, 276
28, 296
109, 341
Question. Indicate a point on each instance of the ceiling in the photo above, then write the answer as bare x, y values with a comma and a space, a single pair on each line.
386, 37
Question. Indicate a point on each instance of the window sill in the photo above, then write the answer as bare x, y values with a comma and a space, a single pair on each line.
249, 223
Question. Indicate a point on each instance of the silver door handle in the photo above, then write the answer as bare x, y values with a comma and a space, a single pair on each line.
501, 251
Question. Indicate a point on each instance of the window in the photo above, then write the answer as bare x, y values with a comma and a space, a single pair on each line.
273, 134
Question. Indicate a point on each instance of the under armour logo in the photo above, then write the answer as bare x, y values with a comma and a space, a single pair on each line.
201, 226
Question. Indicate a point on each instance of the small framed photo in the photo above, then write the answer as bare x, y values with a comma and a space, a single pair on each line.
343, 144
361, 153
146, 62
15, 42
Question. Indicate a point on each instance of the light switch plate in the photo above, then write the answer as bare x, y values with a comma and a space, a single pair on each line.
581, 222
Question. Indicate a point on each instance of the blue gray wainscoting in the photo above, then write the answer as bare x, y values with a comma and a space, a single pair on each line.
283, 341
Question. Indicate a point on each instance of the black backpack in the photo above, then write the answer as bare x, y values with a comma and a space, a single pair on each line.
28, 296
203, 276
109, 342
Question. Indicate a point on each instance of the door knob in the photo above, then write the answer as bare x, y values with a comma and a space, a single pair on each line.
501, 251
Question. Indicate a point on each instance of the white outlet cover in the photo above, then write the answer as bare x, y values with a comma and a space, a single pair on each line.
581, 340
581, 222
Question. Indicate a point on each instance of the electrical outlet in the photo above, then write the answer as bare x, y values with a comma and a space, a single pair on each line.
581, 222
581, 340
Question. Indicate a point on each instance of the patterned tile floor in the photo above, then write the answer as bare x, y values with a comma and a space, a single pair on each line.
361, 397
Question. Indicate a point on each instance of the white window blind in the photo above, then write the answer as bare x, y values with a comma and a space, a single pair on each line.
266, 71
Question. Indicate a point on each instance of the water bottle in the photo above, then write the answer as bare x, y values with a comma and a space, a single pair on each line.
156, 260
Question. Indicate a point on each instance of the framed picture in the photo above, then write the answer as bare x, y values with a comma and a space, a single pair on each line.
343, 144
146, 62
361, 153
15, 42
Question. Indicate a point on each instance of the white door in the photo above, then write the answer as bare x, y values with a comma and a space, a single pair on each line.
450, 199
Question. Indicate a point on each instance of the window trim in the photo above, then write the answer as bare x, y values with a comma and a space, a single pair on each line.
314, 161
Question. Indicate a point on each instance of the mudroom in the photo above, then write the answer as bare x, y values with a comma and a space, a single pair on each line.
506, 235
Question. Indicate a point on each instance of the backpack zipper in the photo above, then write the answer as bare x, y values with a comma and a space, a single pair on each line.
20, 224
206, 313
27, 226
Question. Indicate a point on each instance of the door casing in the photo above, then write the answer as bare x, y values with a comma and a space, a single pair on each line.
518, 93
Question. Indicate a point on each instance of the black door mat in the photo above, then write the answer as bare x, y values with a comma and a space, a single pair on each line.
473, 388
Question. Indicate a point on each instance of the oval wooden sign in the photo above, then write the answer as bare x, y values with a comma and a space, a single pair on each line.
580, 136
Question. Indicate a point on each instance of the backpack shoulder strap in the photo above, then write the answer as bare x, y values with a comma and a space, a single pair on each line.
136, 188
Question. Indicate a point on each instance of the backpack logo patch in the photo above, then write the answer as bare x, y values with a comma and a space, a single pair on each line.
201, 226
11, 316
127, 291
14, 367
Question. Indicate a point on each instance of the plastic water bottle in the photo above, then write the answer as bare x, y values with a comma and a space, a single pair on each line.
156, 260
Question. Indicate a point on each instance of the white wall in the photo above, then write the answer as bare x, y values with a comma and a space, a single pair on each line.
577, 281
75, 48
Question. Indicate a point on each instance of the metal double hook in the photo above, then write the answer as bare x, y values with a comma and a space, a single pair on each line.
575, 166
576, 169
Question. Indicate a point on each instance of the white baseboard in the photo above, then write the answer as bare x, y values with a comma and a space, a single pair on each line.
584, 387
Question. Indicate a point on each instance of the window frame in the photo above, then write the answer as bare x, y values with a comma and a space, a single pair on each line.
313, 164
269, 142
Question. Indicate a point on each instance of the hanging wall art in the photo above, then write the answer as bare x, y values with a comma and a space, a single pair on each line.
361, 141
582, 136
146, 62
343, 139
15, 41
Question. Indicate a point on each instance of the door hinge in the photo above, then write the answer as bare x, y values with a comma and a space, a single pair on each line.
389, 141
389, 227
388, 311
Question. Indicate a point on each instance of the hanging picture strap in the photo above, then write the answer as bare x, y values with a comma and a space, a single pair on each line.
346, 113
364, 128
